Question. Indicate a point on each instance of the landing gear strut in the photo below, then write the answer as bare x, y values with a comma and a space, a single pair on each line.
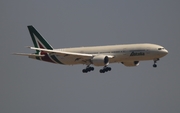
88, 69
155, 61
105, 69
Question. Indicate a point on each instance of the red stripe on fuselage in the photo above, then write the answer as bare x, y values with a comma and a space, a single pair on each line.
46, 57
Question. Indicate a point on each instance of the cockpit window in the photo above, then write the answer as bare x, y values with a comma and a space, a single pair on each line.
160, 48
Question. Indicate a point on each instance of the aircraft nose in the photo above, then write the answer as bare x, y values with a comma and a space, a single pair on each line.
165, 52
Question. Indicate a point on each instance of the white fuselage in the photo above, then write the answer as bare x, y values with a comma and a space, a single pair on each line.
121, 53
127, 54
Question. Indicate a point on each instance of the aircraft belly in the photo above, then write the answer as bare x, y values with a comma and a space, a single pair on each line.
130, 58
118, 58
69, 61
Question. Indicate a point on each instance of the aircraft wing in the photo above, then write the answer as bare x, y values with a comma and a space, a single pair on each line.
64, 53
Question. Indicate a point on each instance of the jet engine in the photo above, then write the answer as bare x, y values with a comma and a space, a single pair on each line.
100, 60
131, 63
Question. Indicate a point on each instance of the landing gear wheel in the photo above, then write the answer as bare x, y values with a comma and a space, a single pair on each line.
101, 70
84, 71
155, 61
92, 68
154, 65
105, 69
109, 69
88, 69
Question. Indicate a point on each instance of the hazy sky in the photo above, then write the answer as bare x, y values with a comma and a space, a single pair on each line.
30, 86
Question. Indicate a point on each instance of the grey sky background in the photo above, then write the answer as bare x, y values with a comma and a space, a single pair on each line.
30, 86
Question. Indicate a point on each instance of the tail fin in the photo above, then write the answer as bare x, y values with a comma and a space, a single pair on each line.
38, 40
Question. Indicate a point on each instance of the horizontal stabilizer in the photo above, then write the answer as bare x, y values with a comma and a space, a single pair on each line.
28, 54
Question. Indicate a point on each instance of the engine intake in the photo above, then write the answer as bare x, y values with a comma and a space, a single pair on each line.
100, 60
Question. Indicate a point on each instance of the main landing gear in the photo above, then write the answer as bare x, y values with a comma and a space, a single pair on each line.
105, 69
88, 69
155, 61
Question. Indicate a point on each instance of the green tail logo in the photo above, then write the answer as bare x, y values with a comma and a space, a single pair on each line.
40, 42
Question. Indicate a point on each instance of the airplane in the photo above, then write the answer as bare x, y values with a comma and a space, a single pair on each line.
127, 54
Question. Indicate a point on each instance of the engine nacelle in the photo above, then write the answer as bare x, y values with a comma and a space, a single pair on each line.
131, 63
100, 60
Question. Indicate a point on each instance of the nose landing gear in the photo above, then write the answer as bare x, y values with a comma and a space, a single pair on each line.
155, 61
154, 65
